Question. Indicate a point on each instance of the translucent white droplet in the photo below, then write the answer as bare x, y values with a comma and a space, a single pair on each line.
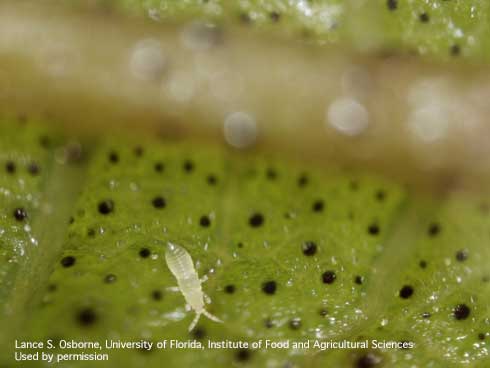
347, 116
147, 61
429, 123
199, 36
240, 129
181, 86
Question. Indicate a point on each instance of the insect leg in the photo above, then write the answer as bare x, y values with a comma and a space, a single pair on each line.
188, 308
211, 317
194, 321
174, 289
204, 279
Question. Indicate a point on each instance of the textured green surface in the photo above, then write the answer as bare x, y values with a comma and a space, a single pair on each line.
437, 28
25, 161
361, 225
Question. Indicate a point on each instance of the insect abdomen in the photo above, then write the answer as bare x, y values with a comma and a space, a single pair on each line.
180, 262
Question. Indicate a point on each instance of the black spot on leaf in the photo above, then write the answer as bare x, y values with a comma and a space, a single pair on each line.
424, 17
406, 292
368, 360
188, 166
68, 261
455, 50
10, 167
269, 287
302, 180
256, 220
309, 248
106, 207
423, 264
328, 277
198, 333
230, 289
434, 229
295, 323
359, 280
144, 252
392, 4
20, 214
373, 229
461, 311
380, 195
461, 255
159, 202
110, 278
113, 157
159, 167
156, 295
86, 317
211, 179
318, 206
274, 16
138, 151
243, 355
33, 168
268, 323
271, 174
204, 221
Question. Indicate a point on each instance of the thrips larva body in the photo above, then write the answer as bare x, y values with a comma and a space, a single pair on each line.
180, 264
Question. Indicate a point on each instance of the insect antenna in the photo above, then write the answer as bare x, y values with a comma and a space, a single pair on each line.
194, 321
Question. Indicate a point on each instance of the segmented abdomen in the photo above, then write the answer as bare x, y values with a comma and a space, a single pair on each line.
180, 264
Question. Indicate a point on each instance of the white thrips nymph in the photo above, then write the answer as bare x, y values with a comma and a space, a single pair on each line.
180, 264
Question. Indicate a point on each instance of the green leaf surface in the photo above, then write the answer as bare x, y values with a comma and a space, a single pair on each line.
292, 251
439, 29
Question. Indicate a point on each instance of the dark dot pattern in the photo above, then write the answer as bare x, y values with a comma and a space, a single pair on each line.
212, 179
159, 202
406, 292
144, 253
369, 360
113, 157
106, 207
359, 280
205, 221
424, 17
373, 229
156, 295
434, 229
188, 166
318, 206
243, 355
392, 4
256, 220
309, 248
68, 261
199, 333
269, 287
86, 317
20, 214
33, 168
230, 289
461, 255
10, 167
328, 277
295, 323
159, 167
110, 278
461, 312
